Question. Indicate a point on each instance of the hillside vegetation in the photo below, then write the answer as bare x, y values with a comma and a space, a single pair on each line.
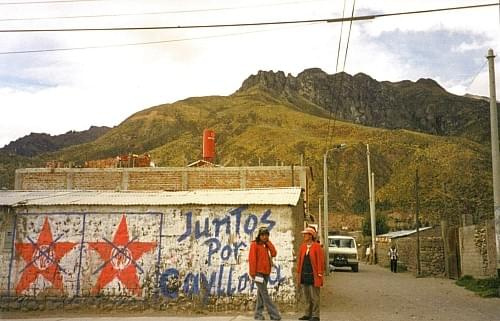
255, 126
259, 124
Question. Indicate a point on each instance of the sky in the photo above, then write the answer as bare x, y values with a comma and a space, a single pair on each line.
122, 72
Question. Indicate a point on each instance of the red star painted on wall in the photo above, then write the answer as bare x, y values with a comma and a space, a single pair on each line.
42, 258
120, 259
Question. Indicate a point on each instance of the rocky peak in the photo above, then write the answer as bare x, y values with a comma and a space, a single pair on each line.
269, 80
421, 106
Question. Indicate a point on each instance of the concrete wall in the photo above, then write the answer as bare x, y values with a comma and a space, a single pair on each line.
478, 250
164, 178
181, 254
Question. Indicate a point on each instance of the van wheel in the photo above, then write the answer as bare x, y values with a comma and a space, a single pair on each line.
354, 268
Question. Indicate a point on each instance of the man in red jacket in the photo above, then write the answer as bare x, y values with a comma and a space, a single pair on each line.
259, 261
310, 266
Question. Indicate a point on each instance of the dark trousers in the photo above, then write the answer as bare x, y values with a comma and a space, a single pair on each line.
394, 265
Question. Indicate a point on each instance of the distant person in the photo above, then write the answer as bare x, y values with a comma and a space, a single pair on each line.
260, 261
393, 256
310, 267
368, 254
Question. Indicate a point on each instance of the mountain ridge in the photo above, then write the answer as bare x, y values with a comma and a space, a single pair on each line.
263, 124
423, 105
39, 143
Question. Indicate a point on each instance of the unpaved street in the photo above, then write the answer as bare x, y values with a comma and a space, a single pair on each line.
377, 294
372, 294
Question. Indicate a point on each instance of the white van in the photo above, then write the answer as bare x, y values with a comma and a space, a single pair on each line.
343, 251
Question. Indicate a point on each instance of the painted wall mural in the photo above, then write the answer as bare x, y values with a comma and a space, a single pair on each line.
120, 259
42, 258
199, 251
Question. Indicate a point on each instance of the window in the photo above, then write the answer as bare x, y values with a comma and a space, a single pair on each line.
342, 243
8, 239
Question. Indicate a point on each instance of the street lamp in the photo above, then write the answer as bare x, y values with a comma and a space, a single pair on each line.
325, 205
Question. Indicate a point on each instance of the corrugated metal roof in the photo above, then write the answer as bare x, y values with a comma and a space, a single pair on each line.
266, 196
402, 233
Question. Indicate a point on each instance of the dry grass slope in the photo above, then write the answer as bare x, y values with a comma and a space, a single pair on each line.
254, 125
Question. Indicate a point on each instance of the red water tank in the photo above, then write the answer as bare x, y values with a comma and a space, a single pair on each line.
208, 145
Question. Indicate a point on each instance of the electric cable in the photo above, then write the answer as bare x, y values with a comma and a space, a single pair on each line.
157, 12
143, 43
251, 24
327, 138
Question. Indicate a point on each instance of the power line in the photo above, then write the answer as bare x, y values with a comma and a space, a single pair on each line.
339, 92
328, 136
331, 20
137, 43
158, 12
46, 2
349, 35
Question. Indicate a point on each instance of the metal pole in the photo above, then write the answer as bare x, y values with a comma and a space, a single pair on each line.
417, 221
373, 221
320, 219
495, 152
371, 201
325, 213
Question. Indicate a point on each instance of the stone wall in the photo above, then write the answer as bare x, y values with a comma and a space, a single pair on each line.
431, 252
179, 257
478, 250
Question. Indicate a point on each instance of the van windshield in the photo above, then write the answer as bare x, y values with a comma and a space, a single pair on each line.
341, 243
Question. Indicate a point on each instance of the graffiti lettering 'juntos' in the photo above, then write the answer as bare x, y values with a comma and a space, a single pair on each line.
224, 279
231, 222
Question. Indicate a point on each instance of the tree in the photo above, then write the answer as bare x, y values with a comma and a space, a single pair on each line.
381, 226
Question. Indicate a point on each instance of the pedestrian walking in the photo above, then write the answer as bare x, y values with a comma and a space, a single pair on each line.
368, 254
260, 257
310, 267
393, 255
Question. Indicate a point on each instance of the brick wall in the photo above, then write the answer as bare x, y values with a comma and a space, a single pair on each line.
95, 180
164, 178
206, 179
48, 179
478, 250
155, 180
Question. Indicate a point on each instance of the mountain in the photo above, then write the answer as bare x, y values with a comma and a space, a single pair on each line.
422, 106
275, 118
39, 143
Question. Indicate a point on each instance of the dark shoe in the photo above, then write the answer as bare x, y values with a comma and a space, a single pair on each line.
259, 318
305, 317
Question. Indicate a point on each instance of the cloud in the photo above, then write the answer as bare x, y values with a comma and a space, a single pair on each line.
60, 91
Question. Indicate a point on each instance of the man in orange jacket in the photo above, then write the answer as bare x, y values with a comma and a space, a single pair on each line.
310, 266
259, 261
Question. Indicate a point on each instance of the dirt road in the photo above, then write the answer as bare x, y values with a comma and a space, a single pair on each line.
372, 294
376, 294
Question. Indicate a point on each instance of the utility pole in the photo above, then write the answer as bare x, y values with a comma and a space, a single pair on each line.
320, 224
371, 199
325, 213
495, 152
417, 221
325, 204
